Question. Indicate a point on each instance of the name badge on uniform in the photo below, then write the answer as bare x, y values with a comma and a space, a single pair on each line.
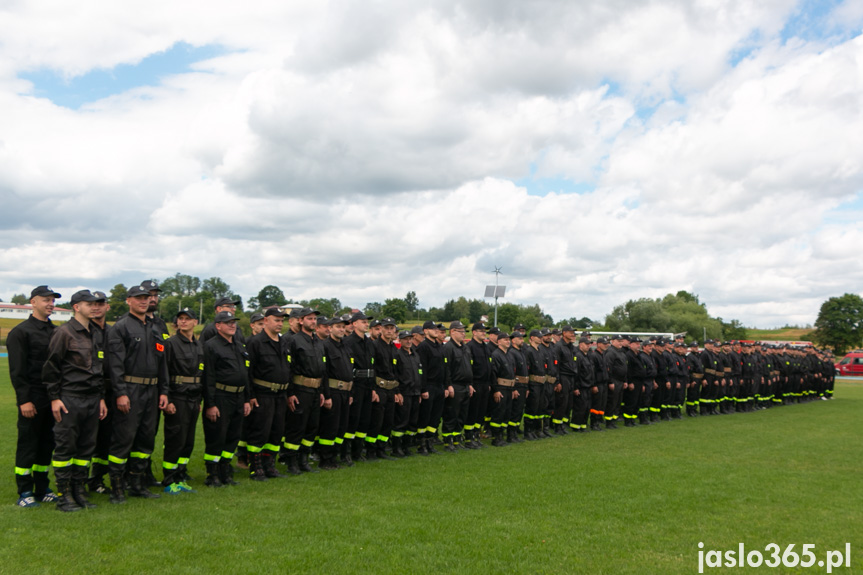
160, 347
101, 355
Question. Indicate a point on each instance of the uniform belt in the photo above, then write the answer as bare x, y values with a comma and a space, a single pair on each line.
141, 380
521, 379
307, 381
538, 378
698, 376
270, 385
506, 382
386, 383
727, 370
364, 373
229, 388
710, 371
178, 379
341, 385
550, 379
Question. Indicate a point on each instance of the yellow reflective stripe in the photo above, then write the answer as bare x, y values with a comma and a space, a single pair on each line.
431, 429
81, 462
241, 444
40, 468
253, 449
307, 443
371, 439
116, 460
183, 461
139, 455
339, 440
227, 454
61, 463
271, 447
349, 435
292, 446
100, 355
383, 438
327, 442
166, 465
22, 471
360, 435
397, 434
493, 424
100, 461
208, 457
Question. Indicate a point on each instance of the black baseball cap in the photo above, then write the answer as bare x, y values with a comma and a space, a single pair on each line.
337, 319
567, 328
516, 334
494, 331
82, 295
361, 315
404, 334
618, 337
555, 331
222, 301
44, 291
519, 326
503, 335
100, 296
429, 325
457, 325
323, 320
186, 311
417, 330
535, 333
278, 312
137, 291
388, 321
602, 340
478, 326
306, 311
375, 323
257, 316
150, 285
225, 316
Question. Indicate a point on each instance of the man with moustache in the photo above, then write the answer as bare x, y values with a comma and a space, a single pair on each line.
459, 381
99, 463
222, 304
139, 378
27, 344
361, 349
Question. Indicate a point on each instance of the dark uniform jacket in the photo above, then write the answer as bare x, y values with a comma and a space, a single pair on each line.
340, 362
136, 349
521, 369
27, 345
75, 362
586, 377
386, 361
363, 351
459, 364
410, 372
636, 368
269, 363
185, 359
551, 367
535, 360
431, 357
565, 359
308, 359
226, 363
600, 367
617, 362
209, 332
503, 367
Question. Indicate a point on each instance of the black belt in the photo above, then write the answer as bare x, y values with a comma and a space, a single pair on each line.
367, 373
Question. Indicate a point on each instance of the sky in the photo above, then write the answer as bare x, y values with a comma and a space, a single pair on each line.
595, 151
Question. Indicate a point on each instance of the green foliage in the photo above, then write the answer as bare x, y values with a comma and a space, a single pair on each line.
733, 330
20, 299
412, 301
373, 308
269, 296
395, 308
840, 323
117, 302
680, 312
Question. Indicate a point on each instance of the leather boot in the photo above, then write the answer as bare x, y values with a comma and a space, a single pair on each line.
371, 452
79, 494
65, 501
546, 429
212, 474
448, 444
347, 460
381, 447
96, 482
407, 442
117, 495
357, 449
430, 444
497, 437
629, 423
304, 463
510, 435
268, 460
328, 462
293, 464
226, 472
397, 447
137, 487
256, 467
515, 435
611, 424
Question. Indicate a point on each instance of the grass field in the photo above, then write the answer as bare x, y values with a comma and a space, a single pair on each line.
782, 334
626, 501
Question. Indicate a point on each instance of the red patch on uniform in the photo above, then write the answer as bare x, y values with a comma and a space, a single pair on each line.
160, 347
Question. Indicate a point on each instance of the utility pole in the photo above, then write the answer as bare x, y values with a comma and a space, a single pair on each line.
495, 291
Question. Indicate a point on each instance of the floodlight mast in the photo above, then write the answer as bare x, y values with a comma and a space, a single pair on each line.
497, 273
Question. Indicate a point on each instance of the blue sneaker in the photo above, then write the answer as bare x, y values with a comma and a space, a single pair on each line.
173, 489
186, 488
49, 497
27, 500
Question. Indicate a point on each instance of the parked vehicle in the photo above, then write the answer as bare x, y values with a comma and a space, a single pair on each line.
851, 364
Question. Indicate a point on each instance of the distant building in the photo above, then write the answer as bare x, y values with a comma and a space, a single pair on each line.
22, 312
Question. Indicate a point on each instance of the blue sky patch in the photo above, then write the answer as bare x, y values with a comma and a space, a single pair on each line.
544, 186
810, 20
97, 84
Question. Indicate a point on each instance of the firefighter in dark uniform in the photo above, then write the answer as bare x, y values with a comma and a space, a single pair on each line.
662, 399
226, 399
386, 394
748, 371
336, 410
636, 382
599, 392
710, 385
480, 351
615, 359
139, 378
503, 389
727, 387
651, 386
270, 372
27, 344
697, 380
362, 350
457, 359
564, 389
584, 385
534, 409
185, 358
73, 376
682, 380
430, 353
222, 304
152, 306
522, 378
406, 420
306, 394
551, 374
99, 461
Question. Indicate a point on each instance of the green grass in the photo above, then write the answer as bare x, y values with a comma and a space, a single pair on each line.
781, 334
627, 501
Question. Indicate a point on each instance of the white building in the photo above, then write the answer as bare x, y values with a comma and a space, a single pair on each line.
22, 312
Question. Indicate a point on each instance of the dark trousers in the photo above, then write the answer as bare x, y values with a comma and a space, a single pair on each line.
563, 401
99, 466
516, 410
534, 405
360, 410
302, 422
383, 411
646, 398
597, 404
477, 406
501, 409
334, 423
455, 411
613, 402
265, 425
134, 433
35, 446
549, 399
631, 401
221, 436
75, 436
180, 434
580, 408
693, 396
406, 418
431, 410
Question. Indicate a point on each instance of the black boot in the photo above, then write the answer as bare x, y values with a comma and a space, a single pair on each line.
430, 440
117, 495
407, 442
304, 463
96, 483
347, 460
137, 487
629, 423
611, 424
328, 462
515, 437
79, 494
381, 447
423, 446
357, 445
497, 437
212, 474
65, 501
256, 467
269, 463
397, 447
226, 472
448, 444
293, 463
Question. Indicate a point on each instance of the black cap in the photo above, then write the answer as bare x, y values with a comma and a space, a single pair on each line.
441, 327
417, 330
694, 344
222, 301
556, 331
82, 295
567, 328
150, 285
224, 316
361, 315
634, 339
519, 326
337, 319
100, 296
404, 334
584, 339
680, 336
602, 340
494, 331
43, 291
188, 312
375, 323
457, 325
618, 337
478, 326
257, 316
322, 320
306, 311
278, 312
137, 291
429, 325
503, 335
535, 333
517, 334
388, 321
544, 332
679, 344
